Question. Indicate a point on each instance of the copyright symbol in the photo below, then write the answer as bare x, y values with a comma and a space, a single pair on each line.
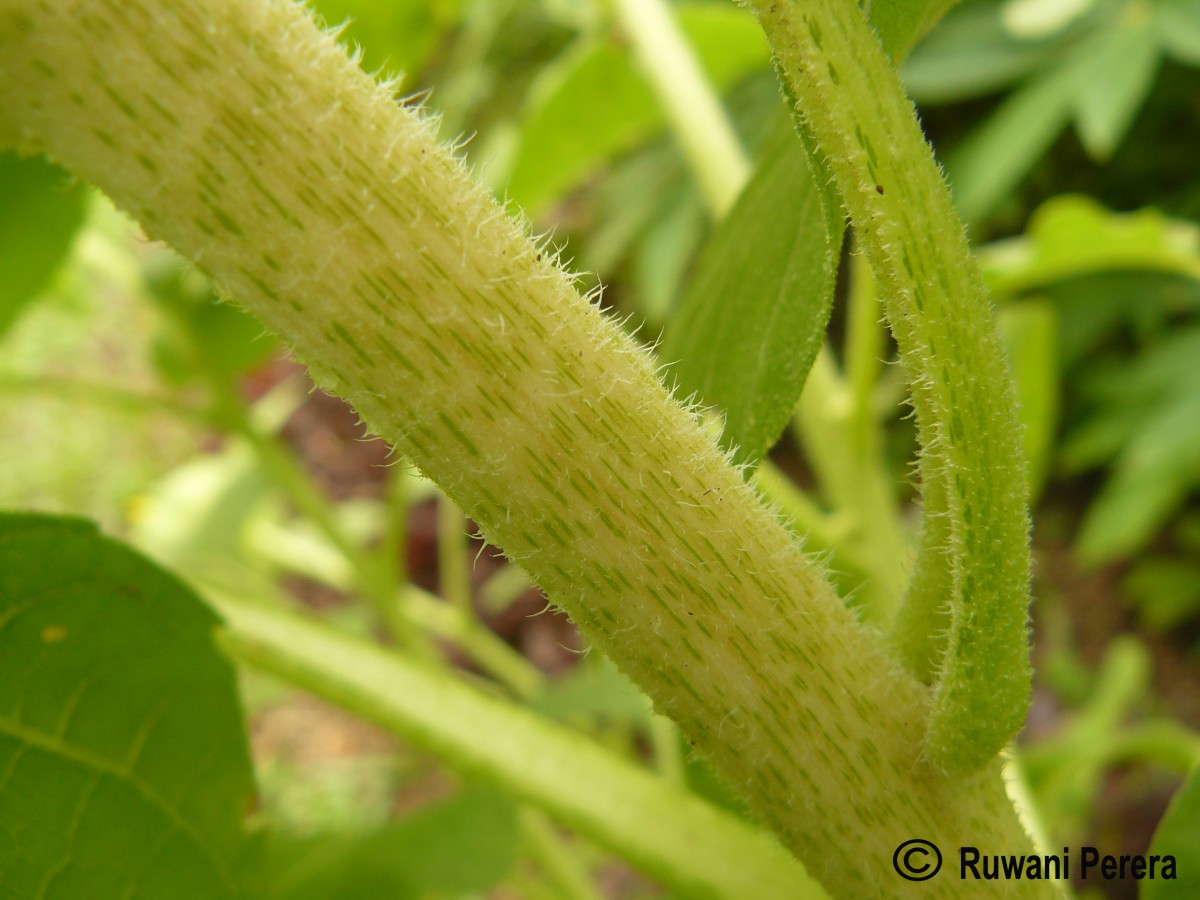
917, 860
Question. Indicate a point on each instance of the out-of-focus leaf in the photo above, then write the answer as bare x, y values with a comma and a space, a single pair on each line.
1029, 331
1166, 591
969, 54
126, 766
393, 35
1177, 26
752, 317
593, 104
462, 846
1042, 18
595, 690
39, 215
1114, 80
901, 23
1070, 235
196, 517
1153, 475
1097, 308
202, 334
985, 168
1178, 835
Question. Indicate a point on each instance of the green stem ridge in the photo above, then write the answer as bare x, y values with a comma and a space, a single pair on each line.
238, 132
963, 622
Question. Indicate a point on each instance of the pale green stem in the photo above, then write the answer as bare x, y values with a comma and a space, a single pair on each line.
668, 757
484, 647
238, 132
556, 859
453, 576
691, 846
693, 108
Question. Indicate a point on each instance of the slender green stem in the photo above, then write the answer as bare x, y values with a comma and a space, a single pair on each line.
691, 846
453, 575
693, 108
963, 623
465, 631
556, 858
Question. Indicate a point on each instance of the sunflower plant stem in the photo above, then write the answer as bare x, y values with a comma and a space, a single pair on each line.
244, 136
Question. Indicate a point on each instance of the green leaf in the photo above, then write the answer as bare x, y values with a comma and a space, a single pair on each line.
994, 158
1153, 475
1178, 835
393, 35
39, 215
971, 53
901, 23
1070, 236
461, 846
202, 335
593, 104
1177, 26
1166, 591
752, 317
126, 767
1115, 78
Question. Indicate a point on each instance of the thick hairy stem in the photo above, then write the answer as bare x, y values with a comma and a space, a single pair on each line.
238, 132
964, 619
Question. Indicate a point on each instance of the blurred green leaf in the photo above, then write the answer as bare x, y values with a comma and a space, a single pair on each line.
969, 54
994, 158
1069, 236
752, 317
592, 104
1177, 27
196, 518
463, 845
1115, 78
126, 767
40, 211
1029, 331
1153, 474
594, 690
901, 23
1178, 835
393, 35
203, 336
1166, 591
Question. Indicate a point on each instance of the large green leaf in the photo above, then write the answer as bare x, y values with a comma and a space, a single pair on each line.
125, 767
464, 845
751, 319
39, 215
1178, 836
